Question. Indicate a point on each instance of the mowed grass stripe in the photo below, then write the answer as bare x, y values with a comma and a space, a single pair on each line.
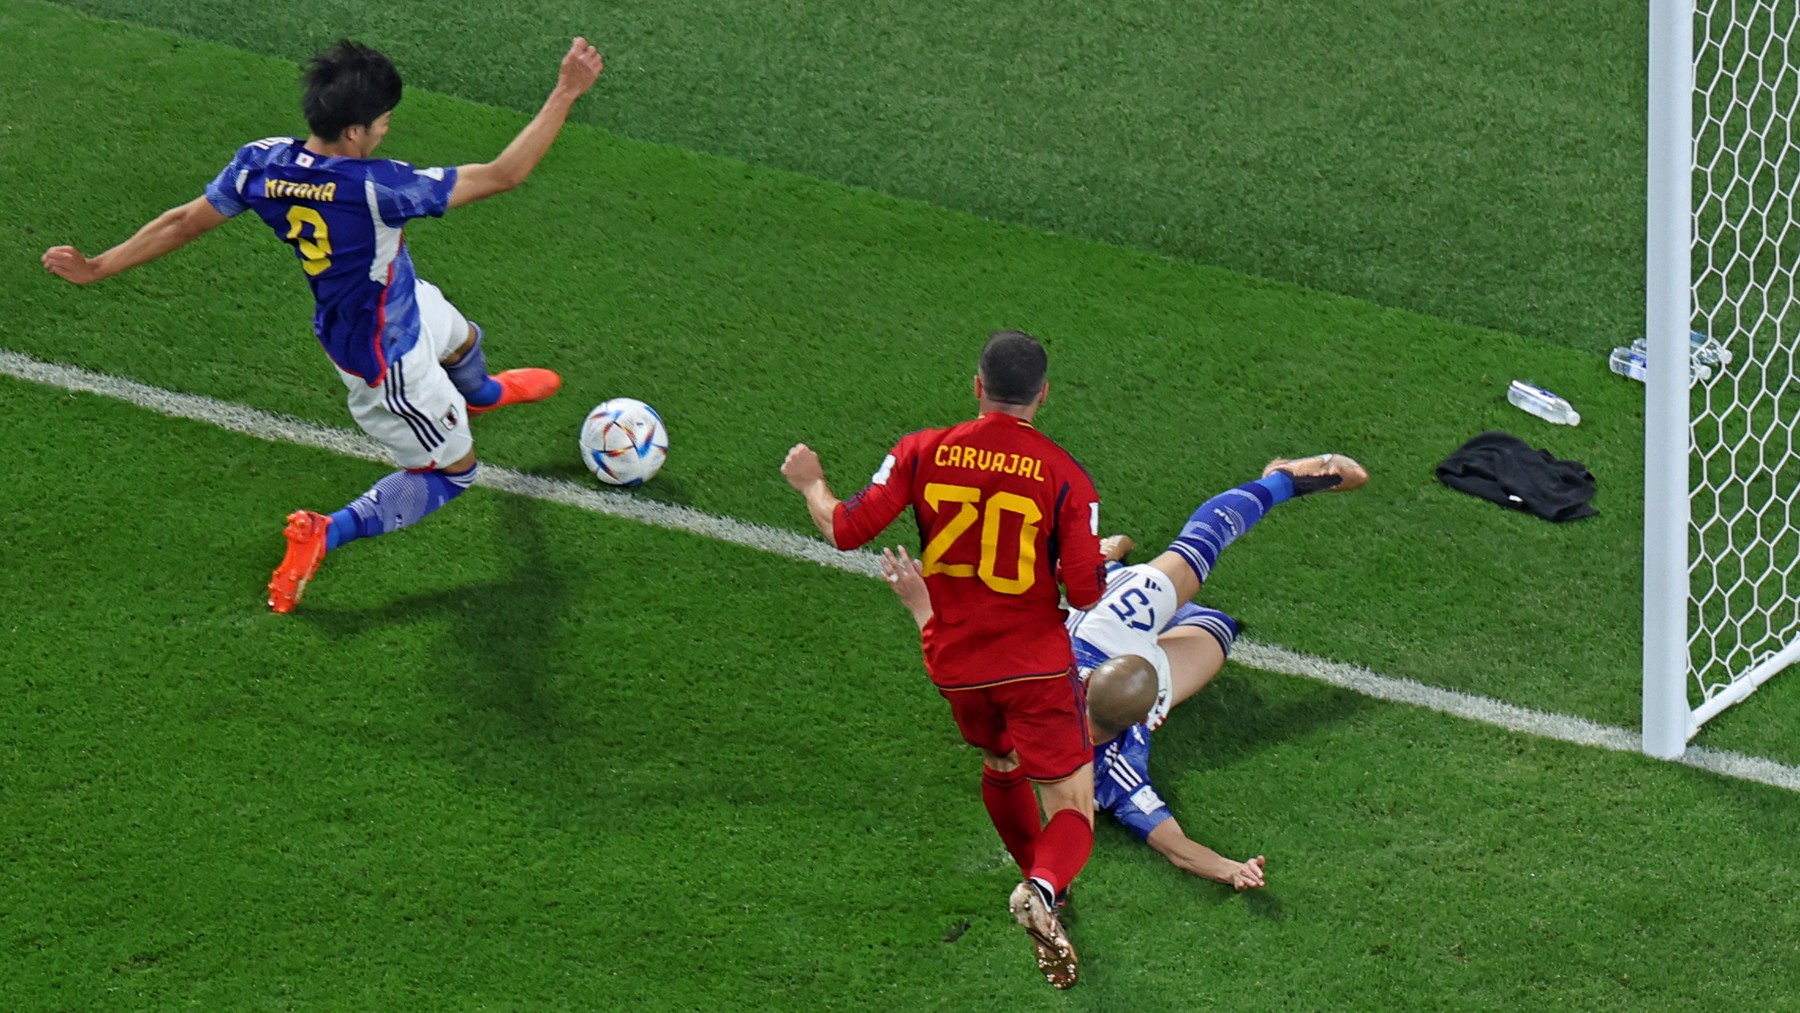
277, 428
519, 756
1481, 162
592, 752
350, 443
755, 309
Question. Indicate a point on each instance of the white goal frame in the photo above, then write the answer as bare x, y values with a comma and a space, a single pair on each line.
1697, 197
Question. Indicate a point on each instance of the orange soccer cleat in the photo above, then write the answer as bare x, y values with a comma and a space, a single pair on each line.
1055, 954
522, 386
305, 550
1321, 473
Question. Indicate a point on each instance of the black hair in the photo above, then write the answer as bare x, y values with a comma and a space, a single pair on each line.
345, 86
1013, 367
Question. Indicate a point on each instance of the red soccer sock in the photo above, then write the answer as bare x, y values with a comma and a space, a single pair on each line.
1013, 807
1062, 849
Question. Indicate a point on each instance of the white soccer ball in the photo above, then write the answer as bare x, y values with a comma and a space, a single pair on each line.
624, 441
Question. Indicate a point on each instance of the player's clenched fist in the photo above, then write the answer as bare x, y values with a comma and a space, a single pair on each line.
802, 467
581, 67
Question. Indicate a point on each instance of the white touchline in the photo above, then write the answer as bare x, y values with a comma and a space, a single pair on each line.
283, 429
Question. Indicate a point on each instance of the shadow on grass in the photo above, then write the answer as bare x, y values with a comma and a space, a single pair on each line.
502, 637
1234, 719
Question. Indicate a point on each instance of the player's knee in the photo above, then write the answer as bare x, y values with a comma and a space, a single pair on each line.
463, 478
1073, 793
471, 337
1220, 626
1085, 806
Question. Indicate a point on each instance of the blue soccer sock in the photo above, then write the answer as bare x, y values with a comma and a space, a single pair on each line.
470, 374
401, 498
1224, 518
1223, 628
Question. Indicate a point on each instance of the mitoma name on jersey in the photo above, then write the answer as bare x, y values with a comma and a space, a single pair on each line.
275, 188
954, 456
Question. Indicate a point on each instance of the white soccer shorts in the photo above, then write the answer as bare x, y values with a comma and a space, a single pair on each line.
416, 412
1138, 605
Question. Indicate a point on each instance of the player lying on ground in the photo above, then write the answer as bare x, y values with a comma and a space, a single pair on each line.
413, 366
1000, 507
1146, 648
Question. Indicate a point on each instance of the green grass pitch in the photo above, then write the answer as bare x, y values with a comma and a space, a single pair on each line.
525, 757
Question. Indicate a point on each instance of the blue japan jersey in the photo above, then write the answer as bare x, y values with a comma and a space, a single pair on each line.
343, 218
1122, 782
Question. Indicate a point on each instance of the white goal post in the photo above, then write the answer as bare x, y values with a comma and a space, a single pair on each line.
1722, 459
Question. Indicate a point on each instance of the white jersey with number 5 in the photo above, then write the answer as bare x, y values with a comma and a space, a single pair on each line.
1139, 604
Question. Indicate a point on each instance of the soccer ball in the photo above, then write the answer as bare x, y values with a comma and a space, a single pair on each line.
624, 442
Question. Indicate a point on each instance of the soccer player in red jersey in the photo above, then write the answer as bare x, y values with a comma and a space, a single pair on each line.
1003, 513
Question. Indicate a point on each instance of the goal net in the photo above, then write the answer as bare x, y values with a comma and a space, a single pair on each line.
1722, 492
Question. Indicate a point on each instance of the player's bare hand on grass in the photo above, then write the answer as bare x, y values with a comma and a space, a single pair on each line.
68, 263
581, 67
802, 467
1248, 875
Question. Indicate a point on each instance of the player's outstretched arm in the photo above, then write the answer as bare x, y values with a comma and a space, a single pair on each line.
1202, 861
906, 576
165, 233
804, 472
581, 67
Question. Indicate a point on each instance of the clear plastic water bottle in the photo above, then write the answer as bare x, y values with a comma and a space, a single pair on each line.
1536, 400
1704, 349
1630, 363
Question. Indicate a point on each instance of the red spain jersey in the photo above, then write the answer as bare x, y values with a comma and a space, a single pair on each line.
998, 505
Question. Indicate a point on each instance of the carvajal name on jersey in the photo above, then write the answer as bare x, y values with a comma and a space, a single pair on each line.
278, 188
954, 456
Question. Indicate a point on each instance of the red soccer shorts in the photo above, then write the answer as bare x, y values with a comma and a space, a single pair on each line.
1044, 719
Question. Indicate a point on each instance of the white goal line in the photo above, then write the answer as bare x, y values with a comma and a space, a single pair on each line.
348, 443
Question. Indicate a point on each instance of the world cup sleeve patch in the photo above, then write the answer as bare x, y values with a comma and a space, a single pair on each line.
1146, 799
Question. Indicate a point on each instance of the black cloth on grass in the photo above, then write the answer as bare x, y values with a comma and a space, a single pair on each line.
1505, 469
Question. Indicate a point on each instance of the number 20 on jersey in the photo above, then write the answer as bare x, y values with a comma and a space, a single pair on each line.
965, 508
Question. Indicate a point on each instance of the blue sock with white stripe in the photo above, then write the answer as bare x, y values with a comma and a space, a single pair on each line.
401, 498
1223, 628
1224, 518
470, 374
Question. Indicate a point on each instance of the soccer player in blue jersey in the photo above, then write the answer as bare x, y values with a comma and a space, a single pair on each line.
412, 364
1121, 692
1145, 648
